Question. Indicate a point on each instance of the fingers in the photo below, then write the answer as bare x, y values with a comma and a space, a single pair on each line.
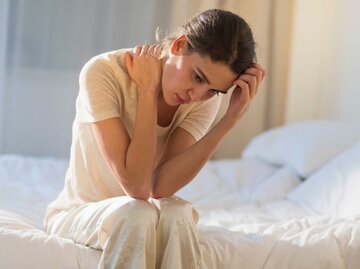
256, 70
128, 61
141, 50
251, 80
248, 84
154, 51
244, 90
157, 51
145, 69
148, 51
252, 77
144, 50
263, 71
137, 50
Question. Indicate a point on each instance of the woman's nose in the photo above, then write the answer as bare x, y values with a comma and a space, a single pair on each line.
197, 93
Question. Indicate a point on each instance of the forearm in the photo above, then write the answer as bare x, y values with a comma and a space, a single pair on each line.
141, 151
181, 169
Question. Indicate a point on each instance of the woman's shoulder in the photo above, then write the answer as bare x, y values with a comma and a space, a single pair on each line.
108, 62
114, 57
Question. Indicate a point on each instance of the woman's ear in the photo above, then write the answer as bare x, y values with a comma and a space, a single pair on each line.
179, 45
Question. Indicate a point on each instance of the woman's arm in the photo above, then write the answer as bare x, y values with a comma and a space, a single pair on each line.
184, 158
125, 156
179, 170
132, 160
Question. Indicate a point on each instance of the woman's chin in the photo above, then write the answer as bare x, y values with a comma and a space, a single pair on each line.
170, 102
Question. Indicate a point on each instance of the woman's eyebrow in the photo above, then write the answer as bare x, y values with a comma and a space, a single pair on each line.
203, 75
207, 80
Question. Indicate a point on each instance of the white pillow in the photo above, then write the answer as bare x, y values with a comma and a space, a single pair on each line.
205, 184
335, 189
275, 187
304, 146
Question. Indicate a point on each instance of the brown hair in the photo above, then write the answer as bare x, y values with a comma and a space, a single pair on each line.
220, 34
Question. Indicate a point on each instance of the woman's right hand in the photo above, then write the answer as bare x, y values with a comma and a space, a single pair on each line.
145, 68
247, 86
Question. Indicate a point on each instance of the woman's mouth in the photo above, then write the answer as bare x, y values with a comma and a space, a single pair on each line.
180, 100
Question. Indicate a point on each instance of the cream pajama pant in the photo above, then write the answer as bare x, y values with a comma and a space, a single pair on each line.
158, 233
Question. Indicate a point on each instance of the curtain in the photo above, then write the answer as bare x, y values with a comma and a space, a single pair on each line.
4, 4
43, 45
259, 15
323, 77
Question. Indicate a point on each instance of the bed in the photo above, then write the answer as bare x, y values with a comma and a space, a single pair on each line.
291, 200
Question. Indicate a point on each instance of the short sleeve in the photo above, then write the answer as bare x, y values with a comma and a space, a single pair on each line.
98, 98
200, 118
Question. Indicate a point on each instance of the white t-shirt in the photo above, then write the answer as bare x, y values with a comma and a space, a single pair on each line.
106, 91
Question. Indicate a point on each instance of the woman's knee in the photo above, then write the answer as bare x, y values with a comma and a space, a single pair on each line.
133, 210
132, 214
175, 208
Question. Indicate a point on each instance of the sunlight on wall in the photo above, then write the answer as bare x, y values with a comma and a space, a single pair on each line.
324, 81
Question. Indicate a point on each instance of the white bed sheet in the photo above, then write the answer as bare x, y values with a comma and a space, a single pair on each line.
245, 219
27, 185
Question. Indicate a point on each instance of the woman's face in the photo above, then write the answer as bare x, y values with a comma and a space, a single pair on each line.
191, 77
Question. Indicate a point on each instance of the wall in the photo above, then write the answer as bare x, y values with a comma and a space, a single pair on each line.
40, 107
324, 82
310, 52
340, 97
3, 26
50, 93
49, 43
258, 14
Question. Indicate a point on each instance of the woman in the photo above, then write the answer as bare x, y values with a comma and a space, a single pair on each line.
139, 136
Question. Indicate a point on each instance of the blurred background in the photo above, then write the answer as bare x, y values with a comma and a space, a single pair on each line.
310, 48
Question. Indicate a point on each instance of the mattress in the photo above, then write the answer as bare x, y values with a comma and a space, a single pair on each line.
255, 212
28, 184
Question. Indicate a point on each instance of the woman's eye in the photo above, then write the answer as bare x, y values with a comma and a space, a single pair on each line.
198, 78
213, 92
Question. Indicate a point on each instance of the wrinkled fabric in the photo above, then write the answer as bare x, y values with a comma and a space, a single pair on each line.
159, 233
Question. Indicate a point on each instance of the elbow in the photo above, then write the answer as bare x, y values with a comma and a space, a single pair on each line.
139, 196
160, 195
138, 193
157, 194
136, 189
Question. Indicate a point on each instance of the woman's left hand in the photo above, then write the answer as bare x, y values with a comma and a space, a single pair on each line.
247, 86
